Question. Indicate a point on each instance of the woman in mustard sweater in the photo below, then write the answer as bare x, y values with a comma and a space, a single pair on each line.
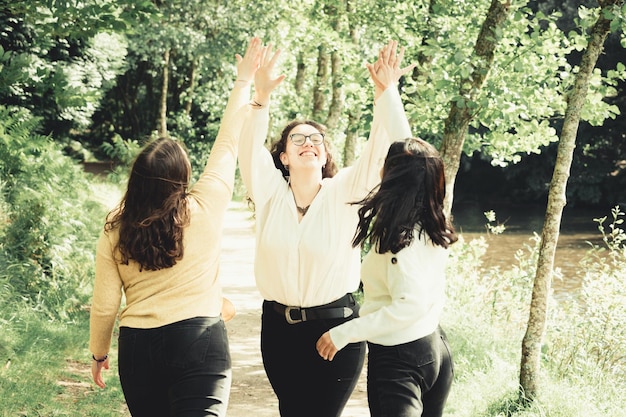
160, 249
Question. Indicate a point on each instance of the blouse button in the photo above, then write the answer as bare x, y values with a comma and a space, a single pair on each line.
394, 260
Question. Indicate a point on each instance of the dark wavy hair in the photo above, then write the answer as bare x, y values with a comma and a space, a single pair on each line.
154, 210
410, 196
330, 168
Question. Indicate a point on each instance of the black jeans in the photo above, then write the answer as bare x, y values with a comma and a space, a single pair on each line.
181, 369
410, 380
306, 385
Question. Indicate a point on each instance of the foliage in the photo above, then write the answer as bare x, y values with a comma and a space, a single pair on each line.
102, 78
201, 38
485, 316
503, 294
68, 56
596, 342
47, 236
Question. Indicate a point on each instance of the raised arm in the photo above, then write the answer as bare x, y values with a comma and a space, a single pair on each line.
389, 124
386, 70
386, 73
264, 82
255, 162
223, 157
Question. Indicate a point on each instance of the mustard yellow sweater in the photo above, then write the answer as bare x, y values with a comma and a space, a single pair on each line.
190, 288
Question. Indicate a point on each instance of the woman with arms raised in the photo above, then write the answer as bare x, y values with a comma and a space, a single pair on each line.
409, 362
160, 248
306, 268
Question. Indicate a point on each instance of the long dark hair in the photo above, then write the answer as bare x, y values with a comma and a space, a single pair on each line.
409, 196
328, 171
154, 209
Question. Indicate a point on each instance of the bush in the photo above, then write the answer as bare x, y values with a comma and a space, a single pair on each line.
49, 223
584, 352
595, 343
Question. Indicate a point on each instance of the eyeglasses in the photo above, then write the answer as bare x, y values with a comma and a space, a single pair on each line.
299, 139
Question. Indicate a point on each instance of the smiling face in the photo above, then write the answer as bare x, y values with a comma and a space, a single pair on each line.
306, 156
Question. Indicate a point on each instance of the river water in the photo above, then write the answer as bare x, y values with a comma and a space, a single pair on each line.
578, 231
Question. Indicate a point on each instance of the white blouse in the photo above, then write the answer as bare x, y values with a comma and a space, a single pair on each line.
312, 262
404, 296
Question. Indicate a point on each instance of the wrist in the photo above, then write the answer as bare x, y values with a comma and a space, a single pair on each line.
100, 359
259, 103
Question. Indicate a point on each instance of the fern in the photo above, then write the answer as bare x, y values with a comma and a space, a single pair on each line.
49, 224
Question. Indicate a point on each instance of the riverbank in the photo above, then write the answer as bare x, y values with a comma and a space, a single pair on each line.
578, 233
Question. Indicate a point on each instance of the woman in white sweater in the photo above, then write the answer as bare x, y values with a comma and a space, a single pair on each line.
409, 361
306, 268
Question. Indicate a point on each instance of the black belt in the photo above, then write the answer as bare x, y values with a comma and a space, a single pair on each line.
339, 309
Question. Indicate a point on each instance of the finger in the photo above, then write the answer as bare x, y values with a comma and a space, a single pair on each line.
372, 70
97, 378
407, 69
251, 45
393, 46
279, 80
267, 58
385, 54
375, 78
274, 58
320, 351
255, 48
401, 55
262, 53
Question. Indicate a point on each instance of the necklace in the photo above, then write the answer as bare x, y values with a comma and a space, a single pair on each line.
302, 210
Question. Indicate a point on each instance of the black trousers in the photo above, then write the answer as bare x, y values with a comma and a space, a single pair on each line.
306, 385
410, 380
181, 369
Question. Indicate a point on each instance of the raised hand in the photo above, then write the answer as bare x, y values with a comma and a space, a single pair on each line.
386, 70
264, 82
249, 63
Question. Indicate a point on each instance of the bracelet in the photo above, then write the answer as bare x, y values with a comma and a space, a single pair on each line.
256, 104
100, 360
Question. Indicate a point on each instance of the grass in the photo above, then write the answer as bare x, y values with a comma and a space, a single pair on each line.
46, 370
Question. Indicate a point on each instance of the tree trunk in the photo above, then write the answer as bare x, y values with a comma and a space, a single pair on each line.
321, 82
423, 61
354, 113
163, 107
300, 74
349, 149
533, 339
460, 115
337, 98
192, 86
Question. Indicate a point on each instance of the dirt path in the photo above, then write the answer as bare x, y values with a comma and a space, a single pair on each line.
251, 391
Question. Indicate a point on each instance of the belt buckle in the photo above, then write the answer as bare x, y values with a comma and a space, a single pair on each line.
288, 311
